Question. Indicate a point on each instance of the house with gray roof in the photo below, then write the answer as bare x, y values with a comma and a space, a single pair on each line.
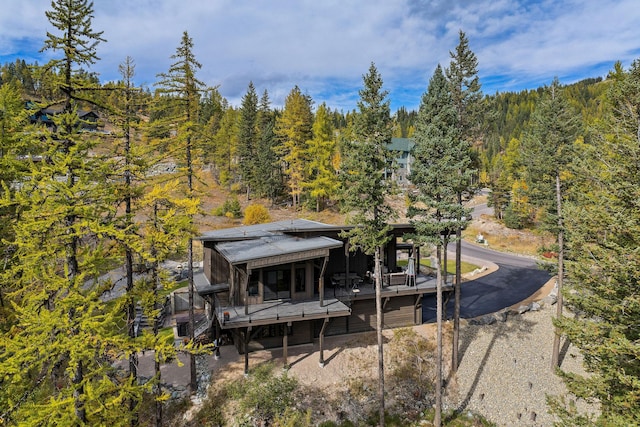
297, 281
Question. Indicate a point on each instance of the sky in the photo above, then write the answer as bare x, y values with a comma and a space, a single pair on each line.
326, 46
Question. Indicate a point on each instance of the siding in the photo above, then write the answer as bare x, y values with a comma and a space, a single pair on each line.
398, 312
302, 334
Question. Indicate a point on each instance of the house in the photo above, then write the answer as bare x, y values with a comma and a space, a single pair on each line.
88, 120
296, 281
402, 148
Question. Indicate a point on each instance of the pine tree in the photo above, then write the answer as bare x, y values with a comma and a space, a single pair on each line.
269, 178
322, 182
182, 85
547, 151
434, 209
366, 165
603, 236
248, 138
226, 147
466, 96
294, 129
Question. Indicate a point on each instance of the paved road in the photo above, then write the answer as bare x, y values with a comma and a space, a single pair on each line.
516, 279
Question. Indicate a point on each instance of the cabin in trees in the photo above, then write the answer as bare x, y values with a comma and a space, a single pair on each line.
87, 119
295, 281
402, 148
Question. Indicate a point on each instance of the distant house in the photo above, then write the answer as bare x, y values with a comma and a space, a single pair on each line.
402, 147
295, 281
88, 119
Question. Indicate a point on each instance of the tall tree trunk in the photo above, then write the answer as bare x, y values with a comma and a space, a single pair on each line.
378, 269
131, 306
157, 390
457, 290
437, 421
555, 357
155, 277
78, 394
193, 380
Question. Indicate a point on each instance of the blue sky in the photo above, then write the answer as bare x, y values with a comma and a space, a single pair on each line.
326, 46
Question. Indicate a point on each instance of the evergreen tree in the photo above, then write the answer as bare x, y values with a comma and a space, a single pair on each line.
322, 181
434, 209
366, 167
466, 97
547, 151
226, 147
603, 236
182, 85
268, 171
294, 129
78, 41
248, 138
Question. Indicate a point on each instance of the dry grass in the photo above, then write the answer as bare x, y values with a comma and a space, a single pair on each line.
500, 238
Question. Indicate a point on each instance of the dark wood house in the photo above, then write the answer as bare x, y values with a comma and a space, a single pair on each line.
295, 281
87, 119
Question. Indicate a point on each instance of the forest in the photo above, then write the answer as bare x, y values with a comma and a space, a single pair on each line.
81, 196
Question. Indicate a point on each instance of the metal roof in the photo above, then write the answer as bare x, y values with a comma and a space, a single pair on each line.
263, 230
276, 249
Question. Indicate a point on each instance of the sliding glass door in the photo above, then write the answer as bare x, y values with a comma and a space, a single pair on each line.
277, 283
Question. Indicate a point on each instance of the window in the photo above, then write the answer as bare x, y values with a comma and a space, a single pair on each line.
254, 284
277, 284
272, 331
301, 285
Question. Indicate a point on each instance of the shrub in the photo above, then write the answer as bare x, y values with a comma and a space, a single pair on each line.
263, 394
256, 214
230, 209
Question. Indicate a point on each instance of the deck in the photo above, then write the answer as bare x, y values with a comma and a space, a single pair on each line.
280, 312
337, 303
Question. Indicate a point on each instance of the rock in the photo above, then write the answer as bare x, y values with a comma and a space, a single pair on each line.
535, 306
488, 319
523, 309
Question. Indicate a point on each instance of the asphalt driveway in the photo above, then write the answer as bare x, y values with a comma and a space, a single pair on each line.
516, 279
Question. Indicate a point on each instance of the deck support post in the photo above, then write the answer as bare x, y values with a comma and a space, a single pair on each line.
324, 325
321, 281
285, 349
246, 291
218, 337
247, 338
415, 310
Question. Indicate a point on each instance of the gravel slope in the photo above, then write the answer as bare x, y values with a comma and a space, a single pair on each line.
505, 371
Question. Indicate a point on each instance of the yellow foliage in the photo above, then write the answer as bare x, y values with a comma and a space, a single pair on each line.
256, 214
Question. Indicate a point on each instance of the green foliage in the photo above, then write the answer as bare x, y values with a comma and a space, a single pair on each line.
514, 219
225, 146
268, 172
230, 208
248, 138
603, 267
264, 395
548, 148
434, 207
256, 214
366, 166
411, 361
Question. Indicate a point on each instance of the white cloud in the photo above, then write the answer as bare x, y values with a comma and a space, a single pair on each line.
325, 47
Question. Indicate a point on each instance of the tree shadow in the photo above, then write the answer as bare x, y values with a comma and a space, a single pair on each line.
516, 326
